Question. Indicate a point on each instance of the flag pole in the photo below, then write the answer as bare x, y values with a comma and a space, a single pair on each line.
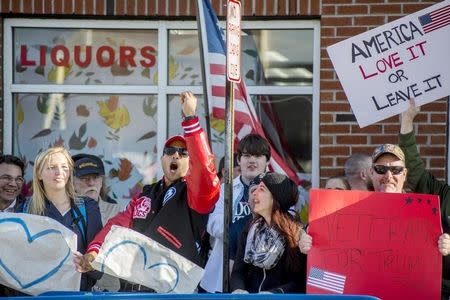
202, 67
228, 186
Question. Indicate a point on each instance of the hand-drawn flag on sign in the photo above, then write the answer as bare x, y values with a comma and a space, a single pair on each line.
326, 280
436, 19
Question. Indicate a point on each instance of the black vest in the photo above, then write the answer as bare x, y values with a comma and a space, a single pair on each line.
174, 225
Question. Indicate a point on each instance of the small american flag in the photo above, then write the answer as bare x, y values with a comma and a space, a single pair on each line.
326, 280
436, 19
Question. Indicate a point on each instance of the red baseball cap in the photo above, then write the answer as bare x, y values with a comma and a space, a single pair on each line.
175, 138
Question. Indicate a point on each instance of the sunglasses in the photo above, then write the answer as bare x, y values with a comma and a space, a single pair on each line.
395, 170
173, 150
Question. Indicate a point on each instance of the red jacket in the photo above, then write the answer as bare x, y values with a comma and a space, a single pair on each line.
181, 222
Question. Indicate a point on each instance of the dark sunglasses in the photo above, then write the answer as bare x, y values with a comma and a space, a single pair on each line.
172, 150
395, 170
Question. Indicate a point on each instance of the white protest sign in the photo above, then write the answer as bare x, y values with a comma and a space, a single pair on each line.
132, 256
36, 254
384, 67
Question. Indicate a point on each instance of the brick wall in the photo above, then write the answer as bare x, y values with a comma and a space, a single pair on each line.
340, 136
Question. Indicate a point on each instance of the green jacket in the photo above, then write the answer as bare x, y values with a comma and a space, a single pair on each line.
420, 180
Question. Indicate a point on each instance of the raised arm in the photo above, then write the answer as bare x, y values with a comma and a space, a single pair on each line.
202, 182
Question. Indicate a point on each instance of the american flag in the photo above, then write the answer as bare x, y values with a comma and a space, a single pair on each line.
245, 117
326, 280
436, 19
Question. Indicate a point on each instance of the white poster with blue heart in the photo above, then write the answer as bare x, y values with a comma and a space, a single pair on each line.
36, 254
134, 257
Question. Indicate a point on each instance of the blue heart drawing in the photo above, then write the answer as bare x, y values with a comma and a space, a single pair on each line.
31, 239
144, 254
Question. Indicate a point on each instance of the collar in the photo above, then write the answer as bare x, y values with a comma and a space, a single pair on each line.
10, 208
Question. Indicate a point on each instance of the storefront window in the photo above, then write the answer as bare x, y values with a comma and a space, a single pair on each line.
184, 58
85, 56
111, 88
121, 129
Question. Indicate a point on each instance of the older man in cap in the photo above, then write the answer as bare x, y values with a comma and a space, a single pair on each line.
388, 174
187, 196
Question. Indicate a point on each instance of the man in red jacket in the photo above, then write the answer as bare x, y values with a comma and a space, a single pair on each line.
173, 211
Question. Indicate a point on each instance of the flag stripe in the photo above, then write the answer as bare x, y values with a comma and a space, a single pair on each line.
325, 287
246, 120
439, 18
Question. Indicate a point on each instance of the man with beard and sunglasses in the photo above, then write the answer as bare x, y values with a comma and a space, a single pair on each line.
173, 211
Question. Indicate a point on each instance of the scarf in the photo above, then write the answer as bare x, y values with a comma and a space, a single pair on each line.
265, 245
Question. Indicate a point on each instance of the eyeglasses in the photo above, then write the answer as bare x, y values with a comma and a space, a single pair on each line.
395, 170
8, 179
173, 150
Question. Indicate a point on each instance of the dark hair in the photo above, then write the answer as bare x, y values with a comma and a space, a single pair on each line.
12, 160
253, 144
222, 165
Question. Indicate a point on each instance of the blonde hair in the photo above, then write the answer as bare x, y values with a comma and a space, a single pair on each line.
37, 204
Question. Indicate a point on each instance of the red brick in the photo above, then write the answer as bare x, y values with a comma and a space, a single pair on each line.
329, 172
333, 2
351, 139
100, 8
57, 6
304, 6
6, 6
363, 149
326, 74
326, 118
27, 7
335, 107
326, 162
324, 96
38, 6
352, 9
432, 128
340, 161
421, 117
334, 150
328, 31
16, 7
131, 7
270, 8
349, 31
326, 64
367, 1
172, 7
432, 151
336, 21
385, 9
341, 96
367, 129
437, 162
383, 139
412, 8
435, 118
392, 18
438, 140
193, 9
334, 128
330, 85
161, 8
79, 7
421, 139
328, 10
370, 20
246, 7
391, 129
440, 174
326, 140
315, 8
437, 106
327, 41
151, 7
89, 8
67, 7
183, 7
47, 6
293, 7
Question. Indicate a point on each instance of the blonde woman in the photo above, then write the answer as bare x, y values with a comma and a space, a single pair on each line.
54, 197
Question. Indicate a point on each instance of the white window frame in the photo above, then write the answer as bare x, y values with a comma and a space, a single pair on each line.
162, 90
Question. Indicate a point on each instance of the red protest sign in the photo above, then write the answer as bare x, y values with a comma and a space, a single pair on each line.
379, 244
